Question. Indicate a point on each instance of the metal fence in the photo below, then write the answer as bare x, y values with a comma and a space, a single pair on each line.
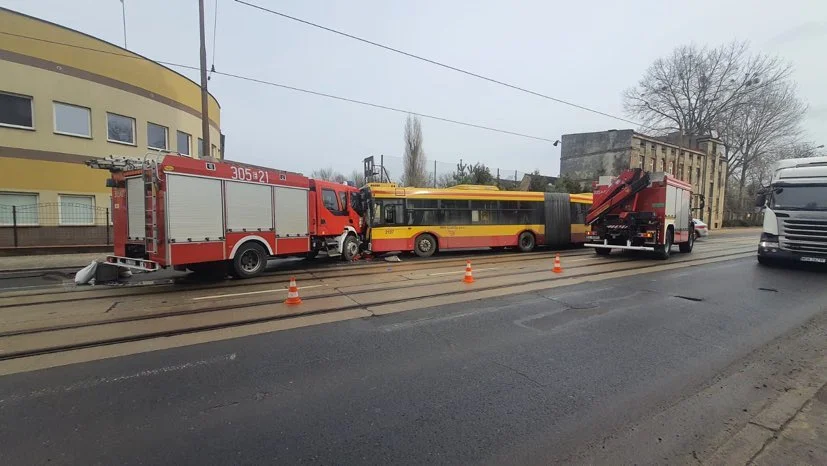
440, 174
54, 224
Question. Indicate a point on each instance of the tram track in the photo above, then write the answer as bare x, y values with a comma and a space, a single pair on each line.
279, 276
53, 331
15, 301
11, 300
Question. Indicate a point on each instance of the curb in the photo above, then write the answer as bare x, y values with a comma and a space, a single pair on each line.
764, 427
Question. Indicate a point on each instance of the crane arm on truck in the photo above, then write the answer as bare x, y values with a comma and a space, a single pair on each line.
625, 186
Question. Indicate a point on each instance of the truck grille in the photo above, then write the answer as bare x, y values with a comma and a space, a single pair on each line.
805, 236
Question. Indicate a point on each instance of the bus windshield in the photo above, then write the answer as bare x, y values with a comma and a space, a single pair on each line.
810, 197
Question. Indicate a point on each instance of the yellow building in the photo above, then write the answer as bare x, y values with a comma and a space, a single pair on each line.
66, 97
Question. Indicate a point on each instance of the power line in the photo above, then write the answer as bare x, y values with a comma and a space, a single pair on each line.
443, 65
292, 88
214, 28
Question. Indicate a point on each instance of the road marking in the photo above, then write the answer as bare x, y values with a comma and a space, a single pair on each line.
230, 295
92, 383
460, 271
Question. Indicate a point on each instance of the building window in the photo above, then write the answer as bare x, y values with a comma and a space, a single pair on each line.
73, 120
77, 210
183, 146
120, 129
200, 148
156, 136
21, 207
672, 167
663, 164
214, 152
652, 165
16, 111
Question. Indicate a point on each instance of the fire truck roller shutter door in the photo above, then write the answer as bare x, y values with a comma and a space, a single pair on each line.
557, 218
194, 209
249, 206
291, 212
135, 209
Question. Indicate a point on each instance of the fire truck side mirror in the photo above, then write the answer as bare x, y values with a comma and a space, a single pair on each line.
700, 203
760, 200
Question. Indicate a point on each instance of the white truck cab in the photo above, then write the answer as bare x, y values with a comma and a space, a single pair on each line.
795, 213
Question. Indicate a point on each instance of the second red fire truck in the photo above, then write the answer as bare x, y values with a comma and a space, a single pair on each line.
215, 218
641, 211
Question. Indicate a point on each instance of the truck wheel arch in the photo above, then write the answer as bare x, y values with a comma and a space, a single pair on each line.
247, 239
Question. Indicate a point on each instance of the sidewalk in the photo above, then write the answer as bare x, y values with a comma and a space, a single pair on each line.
790, 430
53, 261
803, 440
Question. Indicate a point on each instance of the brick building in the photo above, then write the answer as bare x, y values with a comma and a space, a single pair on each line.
696, 160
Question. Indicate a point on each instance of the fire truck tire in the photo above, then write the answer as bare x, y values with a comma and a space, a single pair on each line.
350, 247
689, 244
602, 251
526, 241
425, 245
249, 260
666, 250
311, 254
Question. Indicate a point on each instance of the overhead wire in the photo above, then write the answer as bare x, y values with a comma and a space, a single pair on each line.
292, 88
438, 63
214, 29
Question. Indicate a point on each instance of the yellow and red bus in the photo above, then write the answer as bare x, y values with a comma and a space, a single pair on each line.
424, 220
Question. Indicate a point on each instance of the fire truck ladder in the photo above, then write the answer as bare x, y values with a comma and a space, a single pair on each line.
620, 194
150, 177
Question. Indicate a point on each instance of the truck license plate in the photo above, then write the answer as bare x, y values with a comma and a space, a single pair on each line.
819, 260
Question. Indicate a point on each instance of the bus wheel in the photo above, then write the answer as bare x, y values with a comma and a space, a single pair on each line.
425, 245
526, 241
249, 261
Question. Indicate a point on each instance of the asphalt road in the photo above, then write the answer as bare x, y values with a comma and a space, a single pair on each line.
526, 379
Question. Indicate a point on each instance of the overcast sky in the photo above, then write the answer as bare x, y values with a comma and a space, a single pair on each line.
584, 52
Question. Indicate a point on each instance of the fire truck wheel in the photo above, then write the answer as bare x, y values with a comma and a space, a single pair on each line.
249, 260
666, 250
602, 251
350, 247
687, 246
311, 254
526, 242
425, 245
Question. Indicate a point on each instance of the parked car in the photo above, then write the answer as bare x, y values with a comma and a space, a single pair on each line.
701, 230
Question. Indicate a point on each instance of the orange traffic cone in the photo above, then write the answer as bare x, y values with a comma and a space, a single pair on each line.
293, 293
557, 267
469, 277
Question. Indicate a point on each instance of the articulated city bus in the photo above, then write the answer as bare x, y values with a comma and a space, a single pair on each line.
424, 220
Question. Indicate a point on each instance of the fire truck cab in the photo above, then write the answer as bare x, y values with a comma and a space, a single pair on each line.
219, 217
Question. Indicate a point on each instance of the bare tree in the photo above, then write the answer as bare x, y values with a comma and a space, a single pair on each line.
696, 89
358, 178
415, 172
445, 180
328, 174
760, 129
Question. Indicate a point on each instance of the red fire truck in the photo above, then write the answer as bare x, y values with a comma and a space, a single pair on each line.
641, 211
215, 217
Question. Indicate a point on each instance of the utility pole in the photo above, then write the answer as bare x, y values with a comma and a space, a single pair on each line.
123, 14
205, 113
